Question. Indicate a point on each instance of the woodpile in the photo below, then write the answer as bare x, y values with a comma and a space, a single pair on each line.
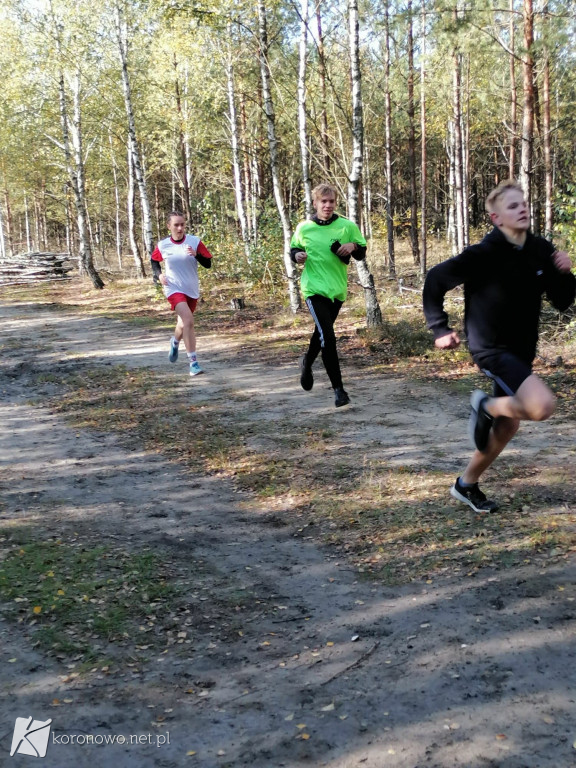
36, 267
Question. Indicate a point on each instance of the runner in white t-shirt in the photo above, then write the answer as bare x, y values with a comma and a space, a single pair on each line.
181, 254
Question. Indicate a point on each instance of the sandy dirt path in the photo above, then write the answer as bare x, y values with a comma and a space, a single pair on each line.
463, 673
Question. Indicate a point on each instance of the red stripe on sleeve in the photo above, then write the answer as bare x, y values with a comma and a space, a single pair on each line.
156, 255
201, 250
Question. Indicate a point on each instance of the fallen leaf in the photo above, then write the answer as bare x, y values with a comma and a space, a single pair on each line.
190, 753
330, 644
289, 717
328, 708
501, 736
305, 736
301, 725
37, 609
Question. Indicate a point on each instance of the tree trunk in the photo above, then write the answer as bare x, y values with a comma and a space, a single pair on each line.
513, 99
26, 213
457, 151
323, 96
423, 169
182, 146
122, 41
388, 131
294, 294
302, 128
373, 313
412, 143
367, 196
451, 229
74, 165
79, 186
131, 210
9, 225
2, 240
69, 236
548, 180
248, 188
465, 135
526, 161
238, 191
117, 230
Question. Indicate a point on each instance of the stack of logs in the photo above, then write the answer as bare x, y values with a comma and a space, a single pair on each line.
35, 267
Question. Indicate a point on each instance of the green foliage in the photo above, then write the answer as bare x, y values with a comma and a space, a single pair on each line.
565, 217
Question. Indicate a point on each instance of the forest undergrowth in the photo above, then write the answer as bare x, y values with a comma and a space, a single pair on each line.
394, 523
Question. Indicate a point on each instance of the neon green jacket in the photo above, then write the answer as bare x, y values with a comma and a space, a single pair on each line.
324, 274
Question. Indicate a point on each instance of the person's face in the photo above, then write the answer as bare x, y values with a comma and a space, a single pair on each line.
511, 212
325, 206
177, 227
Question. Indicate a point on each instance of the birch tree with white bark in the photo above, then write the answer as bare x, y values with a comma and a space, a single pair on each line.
293, 292
373, 311
123, 42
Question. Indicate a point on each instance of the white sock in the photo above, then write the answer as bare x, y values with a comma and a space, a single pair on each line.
174, 341
192, 356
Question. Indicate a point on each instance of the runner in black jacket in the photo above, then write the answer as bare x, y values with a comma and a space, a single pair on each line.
504, 278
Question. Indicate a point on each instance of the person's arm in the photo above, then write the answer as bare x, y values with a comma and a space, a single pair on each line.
298, 255
355, 247
155, 260
357, 251
297, 250
561, 283
439, 280
203, 256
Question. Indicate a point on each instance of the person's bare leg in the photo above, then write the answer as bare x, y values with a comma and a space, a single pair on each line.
532, 402
178, 331
501, 433
185, 326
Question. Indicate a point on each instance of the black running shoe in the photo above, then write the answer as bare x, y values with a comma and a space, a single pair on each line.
306, 377
480, 420
340, 397
473, 496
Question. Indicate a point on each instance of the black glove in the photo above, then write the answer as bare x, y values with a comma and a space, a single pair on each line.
334, 248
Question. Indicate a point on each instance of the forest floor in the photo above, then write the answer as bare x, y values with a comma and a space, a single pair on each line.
228, 571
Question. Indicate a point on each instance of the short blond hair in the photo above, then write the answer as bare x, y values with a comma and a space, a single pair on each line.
322, 190
501, 189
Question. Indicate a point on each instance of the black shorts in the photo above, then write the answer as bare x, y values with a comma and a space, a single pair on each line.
506, 370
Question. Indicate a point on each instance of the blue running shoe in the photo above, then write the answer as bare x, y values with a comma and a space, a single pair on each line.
195, 368
173, 354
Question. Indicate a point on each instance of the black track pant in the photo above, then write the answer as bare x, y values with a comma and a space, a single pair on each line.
324, 311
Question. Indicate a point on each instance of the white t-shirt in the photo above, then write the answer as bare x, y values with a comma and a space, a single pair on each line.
181, 269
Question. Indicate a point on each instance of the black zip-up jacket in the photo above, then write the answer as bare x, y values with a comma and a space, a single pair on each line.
503, 289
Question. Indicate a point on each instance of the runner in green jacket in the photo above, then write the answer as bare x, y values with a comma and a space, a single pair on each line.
324, 246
